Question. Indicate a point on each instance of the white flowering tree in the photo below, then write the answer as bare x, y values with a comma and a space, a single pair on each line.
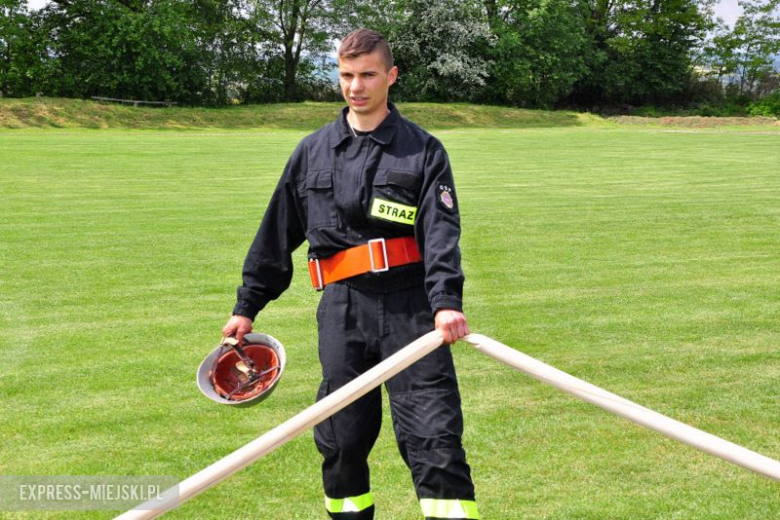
438, 47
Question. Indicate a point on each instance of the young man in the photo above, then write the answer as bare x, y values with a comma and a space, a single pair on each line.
374, 196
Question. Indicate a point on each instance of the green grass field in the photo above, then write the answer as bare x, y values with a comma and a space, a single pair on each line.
643, 260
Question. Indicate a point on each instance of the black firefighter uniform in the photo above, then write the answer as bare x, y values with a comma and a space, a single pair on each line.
339, 190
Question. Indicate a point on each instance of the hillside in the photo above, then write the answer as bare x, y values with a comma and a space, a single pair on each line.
74, 113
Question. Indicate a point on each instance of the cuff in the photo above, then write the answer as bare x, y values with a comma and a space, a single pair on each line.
246, 309
446, 301
249, 303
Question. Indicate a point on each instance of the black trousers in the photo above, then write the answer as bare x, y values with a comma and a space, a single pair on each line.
358, 329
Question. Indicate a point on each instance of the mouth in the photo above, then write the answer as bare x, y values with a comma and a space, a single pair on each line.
358, 100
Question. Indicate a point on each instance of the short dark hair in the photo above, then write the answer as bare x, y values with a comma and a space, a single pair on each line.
366, 41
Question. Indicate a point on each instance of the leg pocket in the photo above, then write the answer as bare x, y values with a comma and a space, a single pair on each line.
427, 419
353, 429
429, 426
324, 437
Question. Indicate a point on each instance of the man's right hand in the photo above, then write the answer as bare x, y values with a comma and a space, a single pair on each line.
236, 327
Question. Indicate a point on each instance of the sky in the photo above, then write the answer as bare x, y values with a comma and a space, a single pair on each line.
726, 9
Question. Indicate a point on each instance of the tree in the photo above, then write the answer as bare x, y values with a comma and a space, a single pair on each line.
136, 50
228, 46
299, 30
639, 51
747, 53
15, 48
437, 47
191, 51
538, 53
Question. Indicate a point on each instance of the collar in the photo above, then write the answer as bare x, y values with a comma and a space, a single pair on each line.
383, 134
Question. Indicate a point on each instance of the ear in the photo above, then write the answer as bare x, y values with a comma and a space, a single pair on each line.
392, 76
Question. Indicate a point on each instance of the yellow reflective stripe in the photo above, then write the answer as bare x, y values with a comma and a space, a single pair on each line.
349, 504
393, 211
440, 508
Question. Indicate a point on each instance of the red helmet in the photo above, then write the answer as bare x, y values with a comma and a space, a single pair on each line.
244, 376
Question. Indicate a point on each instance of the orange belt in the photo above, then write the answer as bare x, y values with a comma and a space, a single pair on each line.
376, 256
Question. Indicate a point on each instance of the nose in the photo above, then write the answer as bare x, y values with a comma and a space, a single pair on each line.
356, 85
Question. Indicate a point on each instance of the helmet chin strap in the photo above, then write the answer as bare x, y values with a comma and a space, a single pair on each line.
248, 363
250, 381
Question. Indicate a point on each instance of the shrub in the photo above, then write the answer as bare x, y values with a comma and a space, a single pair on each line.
768, 106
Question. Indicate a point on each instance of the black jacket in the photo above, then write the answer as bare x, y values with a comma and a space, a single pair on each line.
339, 191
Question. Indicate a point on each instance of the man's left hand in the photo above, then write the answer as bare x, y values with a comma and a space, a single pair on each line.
452, 325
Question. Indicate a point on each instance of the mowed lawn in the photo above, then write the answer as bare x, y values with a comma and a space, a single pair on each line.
646, 261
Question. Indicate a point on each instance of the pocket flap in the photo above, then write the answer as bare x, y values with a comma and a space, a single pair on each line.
406, 180
320, 180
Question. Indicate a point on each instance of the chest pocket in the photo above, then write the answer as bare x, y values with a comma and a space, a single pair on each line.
321, 207
394, 198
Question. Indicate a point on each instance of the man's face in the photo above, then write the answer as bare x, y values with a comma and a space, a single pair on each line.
365, 82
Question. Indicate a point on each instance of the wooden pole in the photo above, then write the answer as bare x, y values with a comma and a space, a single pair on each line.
699, 439
416, 350
286, 431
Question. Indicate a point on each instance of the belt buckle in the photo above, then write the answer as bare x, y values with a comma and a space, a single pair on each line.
384, 254
316, 261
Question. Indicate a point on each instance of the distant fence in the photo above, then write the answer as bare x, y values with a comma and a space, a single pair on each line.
134, 102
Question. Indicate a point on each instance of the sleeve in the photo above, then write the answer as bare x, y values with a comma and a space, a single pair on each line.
268, 267
437, 230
